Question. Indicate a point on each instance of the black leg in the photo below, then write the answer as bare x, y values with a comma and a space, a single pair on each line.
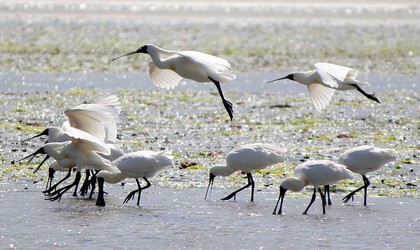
250, 183
367, 184
85, 186
351, 194
327, 193
100, 201
133, 193
226, 103
369, 96
93, 184
51, 173
312, 201
281, 197
323, 200
52, 188
59, 192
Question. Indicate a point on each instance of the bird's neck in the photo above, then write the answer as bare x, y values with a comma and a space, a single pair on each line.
306, 78
222, 170
159, 55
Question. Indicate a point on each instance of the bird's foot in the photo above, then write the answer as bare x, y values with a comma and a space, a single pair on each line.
130, 196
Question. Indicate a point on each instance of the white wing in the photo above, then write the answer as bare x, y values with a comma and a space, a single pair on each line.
334, 75
163, 78
98, 119
213, 64
320, 95
89, 141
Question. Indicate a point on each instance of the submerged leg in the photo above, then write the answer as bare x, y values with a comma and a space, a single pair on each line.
250, 183
369, 96
226, 103
312, 201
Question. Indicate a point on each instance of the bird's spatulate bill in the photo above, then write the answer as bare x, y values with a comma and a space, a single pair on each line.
128, 54
278, 79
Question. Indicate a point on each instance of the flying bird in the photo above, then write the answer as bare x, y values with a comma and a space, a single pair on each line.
325, 79
168, 67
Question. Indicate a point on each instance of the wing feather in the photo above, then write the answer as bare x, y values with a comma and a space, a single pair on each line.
163, 78
320, 95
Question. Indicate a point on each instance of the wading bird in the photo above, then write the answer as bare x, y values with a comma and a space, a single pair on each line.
168, 67
316, 173
246, 158
365, 159
325, 79
140, 164
83, 150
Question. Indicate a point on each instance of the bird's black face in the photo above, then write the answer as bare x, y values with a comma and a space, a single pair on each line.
143, 50
290, 77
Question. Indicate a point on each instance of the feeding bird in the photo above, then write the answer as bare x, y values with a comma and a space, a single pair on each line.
83, 150
140, 164
365, 159
168, 67
246, 158
316, 173
325, 79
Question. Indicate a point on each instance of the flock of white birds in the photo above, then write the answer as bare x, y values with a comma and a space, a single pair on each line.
88, 139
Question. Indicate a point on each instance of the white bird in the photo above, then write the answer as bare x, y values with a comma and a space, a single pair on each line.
83, 149
67, 165
365, 159
168, 67
140, 164
246, 158
316, 173
325, 79
99, 119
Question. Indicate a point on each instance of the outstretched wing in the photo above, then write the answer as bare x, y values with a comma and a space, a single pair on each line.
163, 78
98, 119
212, 64
334, 75
320, 95
89, 141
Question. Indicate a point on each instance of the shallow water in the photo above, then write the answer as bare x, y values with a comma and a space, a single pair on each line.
179, 219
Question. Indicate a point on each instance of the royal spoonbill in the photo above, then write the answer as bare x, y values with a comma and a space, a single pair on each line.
168, 67
325, 79
140, 164
316, 173
246, 158
365, 159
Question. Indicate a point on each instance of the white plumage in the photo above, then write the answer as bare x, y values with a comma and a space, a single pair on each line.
325, 79
140, 164
316, 173
365, 159
168, 67
247, 158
